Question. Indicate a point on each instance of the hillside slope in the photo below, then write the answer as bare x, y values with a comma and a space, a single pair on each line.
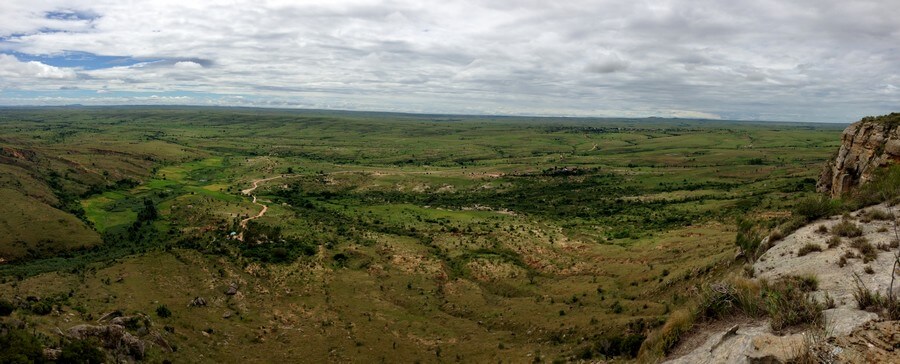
850, 334
32, 228
849, 262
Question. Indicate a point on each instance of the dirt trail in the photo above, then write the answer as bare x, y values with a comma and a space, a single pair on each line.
264, 207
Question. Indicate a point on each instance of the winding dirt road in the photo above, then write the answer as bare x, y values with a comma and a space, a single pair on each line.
262, 212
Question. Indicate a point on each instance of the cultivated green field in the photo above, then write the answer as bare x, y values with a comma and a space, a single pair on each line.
389, 237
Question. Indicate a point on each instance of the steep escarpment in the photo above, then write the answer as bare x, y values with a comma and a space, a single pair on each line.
866, 146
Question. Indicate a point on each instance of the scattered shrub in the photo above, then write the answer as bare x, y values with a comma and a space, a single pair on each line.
813, 208
6, 307
775, 235
866, 249
662, 341
822, 229
616, 307
808, 248
806, 283
81, 352
868, 269
878, 214
884, 186
748, 239
41, 308
835, 241
19, 346
619, 345
786, 302
163, 311
846, 228
875, 302
865, 299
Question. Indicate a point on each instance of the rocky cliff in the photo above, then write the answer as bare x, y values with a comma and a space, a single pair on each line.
866, 145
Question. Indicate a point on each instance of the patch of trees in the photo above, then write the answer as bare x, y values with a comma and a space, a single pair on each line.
122, 184
20, 345
142, 228
267, 244
68, 201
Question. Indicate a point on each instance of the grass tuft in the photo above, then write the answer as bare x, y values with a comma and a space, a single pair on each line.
834, 242
846, 228
786, 302
866, 249
808, 248
872, 301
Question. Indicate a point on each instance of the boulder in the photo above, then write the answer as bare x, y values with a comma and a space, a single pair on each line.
113, 337
199, 301
232, 289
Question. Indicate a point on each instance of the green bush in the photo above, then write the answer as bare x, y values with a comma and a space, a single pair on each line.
748, 239
41, 308
20, 346
789, 305
813, 208
6, 307
81, 352
619, 345
884, 186
163, 311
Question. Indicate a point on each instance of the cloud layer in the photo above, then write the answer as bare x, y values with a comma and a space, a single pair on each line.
812, 60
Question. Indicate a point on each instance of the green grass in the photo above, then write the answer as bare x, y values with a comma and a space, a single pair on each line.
409, 237
106, 210
32, 229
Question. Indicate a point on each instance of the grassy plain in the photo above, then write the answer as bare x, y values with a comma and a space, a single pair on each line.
392, 237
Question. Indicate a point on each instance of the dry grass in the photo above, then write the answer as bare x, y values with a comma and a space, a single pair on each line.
664, 340
876, 214
834, 242
866, 249
846, 228
785, 302
808, 248
776, 235
873, 301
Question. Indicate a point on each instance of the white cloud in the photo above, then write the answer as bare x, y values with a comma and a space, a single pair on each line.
802, 60
11, 67
187, 65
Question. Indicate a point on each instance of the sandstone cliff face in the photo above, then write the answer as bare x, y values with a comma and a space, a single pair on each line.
866, 145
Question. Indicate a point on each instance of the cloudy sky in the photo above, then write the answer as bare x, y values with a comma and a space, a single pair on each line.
813, 60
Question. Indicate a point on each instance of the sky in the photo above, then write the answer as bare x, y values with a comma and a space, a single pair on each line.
809, 60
